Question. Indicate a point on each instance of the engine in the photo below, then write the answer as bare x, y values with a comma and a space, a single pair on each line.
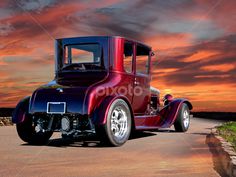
155, 100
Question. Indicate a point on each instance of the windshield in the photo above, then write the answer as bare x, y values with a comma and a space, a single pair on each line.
83, 57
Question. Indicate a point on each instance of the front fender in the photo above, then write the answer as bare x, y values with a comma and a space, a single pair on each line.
169, 112
99, 115
21, 111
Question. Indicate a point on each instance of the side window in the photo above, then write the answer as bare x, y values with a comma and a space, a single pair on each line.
128, 56
142, 59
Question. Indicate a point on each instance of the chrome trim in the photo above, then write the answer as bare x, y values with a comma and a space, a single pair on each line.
56, 103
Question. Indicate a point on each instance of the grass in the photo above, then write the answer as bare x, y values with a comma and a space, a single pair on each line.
228, 132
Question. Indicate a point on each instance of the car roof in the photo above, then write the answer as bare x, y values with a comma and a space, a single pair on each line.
97, 37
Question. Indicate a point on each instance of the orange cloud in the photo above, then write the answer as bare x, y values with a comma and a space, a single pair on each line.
14, 47
204, 97
220, 67
163, 72
212, 76
9, 99
166, 70
200, 55
3, 75
169, 41
34, 84
2, 63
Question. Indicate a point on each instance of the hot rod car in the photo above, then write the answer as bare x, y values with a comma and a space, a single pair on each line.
101, 87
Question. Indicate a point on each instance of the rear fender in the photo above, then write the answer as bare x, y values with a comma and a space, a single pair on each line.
21, 112
169, 112
99, 115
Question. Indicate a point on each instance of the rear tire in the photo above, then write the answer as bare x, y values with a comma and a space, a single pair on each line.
26, 131
26, 128
183, 119
117, 128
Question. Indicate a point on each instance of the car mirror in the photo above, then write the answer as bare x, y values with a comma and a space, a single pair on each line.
153, 56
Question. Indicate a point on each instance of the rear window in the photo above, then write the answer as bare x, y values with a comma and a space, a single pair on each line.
83, 53
83, 57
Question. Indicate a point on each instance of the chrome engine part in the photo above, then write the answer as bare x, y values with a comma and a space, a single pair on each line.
76, 126
65, 124
41, 124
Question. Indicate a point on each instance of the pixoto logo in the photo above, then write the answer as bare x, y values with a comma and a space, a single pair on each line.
121, 90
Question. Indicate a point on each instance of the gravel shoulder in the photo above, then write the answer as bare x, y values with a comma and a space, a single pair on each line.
5, 121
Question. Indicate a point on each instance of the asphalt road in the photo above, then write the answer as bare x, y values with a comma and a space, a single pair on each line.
162, 153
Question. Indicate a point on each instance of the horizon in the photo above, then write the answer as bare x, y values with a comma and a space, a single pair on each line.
191, 110
194, 42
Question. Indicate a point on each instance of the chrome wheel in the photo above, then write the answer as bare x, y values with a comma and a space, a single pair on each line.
119, 122
186, 118
118, 125
183, 119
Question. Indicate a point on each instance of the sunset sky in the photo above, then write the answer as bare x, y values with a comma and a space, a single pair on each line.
194, 41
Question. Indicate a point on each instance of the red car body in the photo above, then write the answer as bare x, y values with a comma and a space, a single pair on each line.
86, 91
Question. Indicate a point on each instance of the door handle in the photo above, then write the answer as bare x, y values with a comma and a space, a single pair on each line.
135, 81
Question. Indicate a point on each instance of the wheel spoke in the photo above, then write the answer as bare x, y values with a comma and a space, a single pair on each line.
119, 122
186, 118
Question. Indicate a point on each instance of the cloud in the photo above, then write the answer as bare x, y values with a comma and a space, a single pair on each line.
220, 67
5, 13
5, 29
200, 55
34, 84
216, 76
194, 41
163, 41
3, 75
198, 66
14, 47
36, 5
223, 15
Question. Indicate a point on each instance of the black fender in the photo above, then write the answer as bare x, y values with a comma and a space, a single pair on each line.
99, 115
169, 112
21, 112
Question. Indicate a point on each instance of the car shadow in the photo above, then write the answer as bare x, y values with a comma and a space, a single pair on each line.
92, 141
141, 134
165, 131
88, 142
75, 142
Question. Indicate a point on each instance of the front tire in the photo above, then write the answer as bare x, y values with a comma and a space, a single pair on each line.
117, 128
183, 120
